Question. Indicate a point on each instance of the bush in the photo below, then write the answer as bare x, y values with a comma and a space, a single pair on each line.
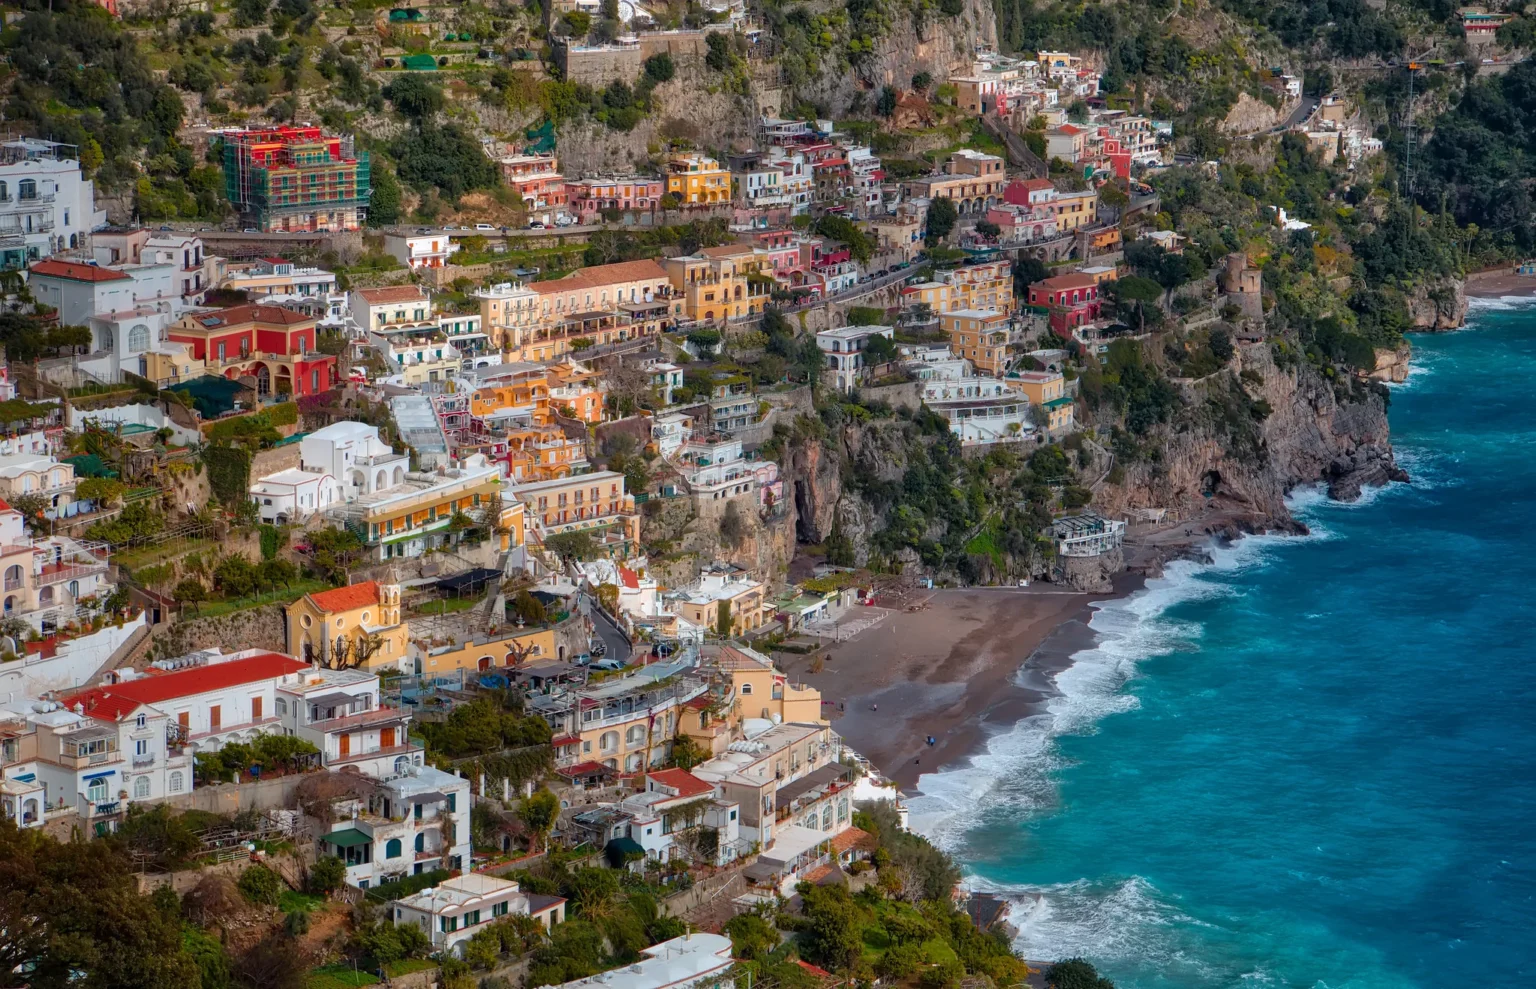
327, 875
259, 884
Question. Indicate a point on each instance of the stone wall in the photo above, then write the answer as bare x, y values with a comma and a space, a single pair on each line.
597, 67
907, 395
254, 628
448, 274
274, 459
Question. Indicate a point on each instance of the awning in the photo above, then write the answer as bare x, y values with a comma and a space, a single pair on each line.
347, 838
102, 775
620, 850
430, 797
25, 777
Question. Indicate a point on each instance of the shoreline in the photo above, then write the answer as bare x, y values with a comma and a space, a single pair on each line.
973, 661
1502, 284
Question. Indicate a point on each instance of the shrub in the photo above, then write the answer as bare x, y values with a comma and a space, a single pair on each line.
327, 875
260, 884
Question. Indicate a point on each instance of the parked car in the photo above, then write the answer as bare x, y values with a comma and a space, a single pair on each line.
565, 220
535, 225
582, 660
607, 665
484, 226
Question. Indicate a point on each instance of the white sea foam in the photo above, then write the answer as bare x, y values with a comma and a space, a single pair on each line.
1501, 303
1015, 775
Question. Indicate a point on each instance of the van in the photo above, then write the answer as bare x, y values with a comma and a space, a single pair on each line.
484, 226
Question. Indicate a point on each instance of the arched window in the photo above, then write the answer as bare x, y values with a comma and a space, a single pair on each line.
380, 480
610, 741
282, 706
635, 735
141, 788
175, 782
138, 338
746, 688
421, 842
392, 848
96, 792
26, 189
632, 764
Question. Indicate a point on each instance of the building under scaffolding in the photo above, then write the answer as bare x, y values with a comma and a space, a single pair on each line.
296, 178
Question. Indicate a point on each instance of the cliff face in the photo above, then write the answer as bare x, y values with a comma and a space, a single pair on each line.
936, 44
1309, 435
1439, 306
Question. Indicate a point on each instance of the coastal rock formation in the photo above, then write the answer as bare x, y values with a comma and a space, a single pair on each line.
1392, 364
1093, 574
1314, 430
1439, 305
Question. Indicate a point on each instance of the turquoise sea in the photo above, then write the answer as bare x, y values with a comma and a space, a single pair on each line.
1312, 763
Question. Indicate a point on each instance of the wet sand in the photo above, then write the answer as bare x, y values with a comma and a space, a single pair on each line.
1498, 284
950, 670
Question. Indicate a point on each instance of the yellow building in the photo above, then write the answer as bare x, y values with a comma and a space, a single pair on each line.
407, 519
988, 285
603, 304
761, 691
587, 502
483, 653
978, 335
1074, 209
743, 598
357, 625
1039, 386
698, 180
937, 296
719, 284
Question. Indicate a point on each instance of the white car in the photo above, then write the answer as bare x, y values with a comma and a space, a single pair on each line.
565, 221
484, 226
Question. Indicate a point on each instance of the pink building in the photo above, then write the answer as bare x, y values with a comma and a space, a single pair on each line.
635, 193
537, 179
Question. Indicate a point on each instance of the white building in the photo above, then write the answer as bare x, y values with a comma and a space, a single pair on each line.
673, 803
392, 309
979, 409
456, 909
195, 270
79, 291
294, 494
844, 348
413, 822
352, 453
670, 430
693, 961
130, 340
665, 376
46, 204
420, 250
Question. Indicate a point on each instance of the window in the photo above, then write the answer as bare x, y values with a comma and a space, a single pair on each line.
282, 707
472, 918
141, 788
141, 720
746, 688
453, 802
96, 791
26, 189
141, 746
392, 848
499, 910
450, 924
175, 782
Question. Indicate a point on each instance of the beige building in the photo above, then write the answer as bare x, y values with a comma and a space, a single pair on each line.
358, 625
736, 595
978, 335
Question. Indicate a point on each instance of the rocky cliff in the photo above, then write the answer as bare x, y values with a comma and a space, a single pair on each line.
1440, 305
1313, 429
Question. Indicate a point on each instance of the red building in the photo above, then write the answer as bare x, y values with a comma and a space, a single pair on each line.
537, 181
1072, 300
270, 344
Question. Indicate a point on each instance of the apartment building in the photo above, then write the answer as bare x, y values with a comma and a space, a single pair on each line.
457, 909
719, 284
973, 180
698, 180
595, 503
587, 198
408, 823
338, 711
411, 516
536, 180
978, 335
757, 689
600, 305
980, 410
46, 203
278, 276
988, 285
659, 820
752, 771
392, 309
625, 724
296, 178
1072, 300
844, 349
433, 250
731, 603
273, 345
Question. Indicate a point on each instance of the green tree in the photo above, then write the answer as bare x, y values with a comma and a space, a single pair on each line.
384, 199
539, 813
190, 592
659, 67
414, 95
1075, 973
942, 217
723, 619
327, 875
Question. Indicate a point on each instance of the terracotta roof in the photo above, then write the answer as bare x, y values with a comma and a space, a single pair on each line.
5, 506
1069, 129
602, 274
816, 875
78, 272
851, 838
237, 315
348, 598
276, 260
391, 293
116, 701
820, 973
1059, 282
629, 578
1035, 185
685, 783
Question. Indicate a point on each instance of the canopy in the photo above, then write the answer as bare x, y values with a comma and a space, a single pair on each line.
212, 395
347, 838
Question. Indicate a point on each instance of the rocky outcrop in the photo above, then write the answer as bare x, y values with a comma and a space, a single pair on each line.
1440, 305
1091, 574
1249, 116
1314, 430
1392, 363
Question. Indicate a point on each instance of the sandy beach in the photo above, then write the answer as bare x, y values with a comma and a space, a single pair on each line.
948, 670
1498, 284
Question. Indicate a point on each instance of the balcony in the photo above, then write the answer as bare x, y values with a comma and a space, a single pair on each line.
383, 752
59, 573
143, 760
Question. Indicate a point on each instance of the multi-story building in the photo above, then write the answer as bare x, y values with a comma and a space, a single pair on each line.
432, 250
79, 291
698, 180
339, 713
595, 503
719, 284
988, 285
457, 909
972, 179
196, 271
1022, 224
978, 335
536, 180
661, 818
38, 474
357, 625
625, 724
465, 331
755, 688
46, 203
587, 198
392, 309
769, 760
296, 178
1047, 391
844, 348
980, 410
1075, 209
272, 344
731, 603
601, 305
409, 823
278, 276
1072, 300
694, 961
410, 516
716, 468
46, 579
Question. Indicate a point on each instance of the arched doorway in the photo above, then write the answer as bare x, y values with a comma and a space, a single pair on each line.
263, 380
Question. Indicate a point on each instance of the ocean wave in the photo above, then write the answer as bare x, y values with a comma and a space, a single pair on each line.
1502, 303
